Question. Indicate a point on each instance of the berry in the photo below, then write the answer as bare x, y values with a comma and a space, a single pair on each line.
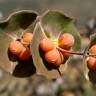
27, 38
92, 50
46, 45
25, 54
66, 41
15, 47
54, 57
91, 63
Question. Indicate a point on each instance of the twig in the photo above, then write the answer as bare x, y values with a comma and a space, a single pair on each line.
59, 72
70, 52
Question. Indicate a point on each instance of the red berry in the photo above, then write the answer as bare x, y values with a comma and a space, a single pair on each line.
46, 45
66, 41
25, 54
27, 38
15, 47
91, 63
92, 50
54, 57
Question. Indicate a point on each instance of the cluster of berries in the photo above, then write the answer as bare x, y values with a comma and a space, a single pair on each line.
20, 48
54, 56
91, 60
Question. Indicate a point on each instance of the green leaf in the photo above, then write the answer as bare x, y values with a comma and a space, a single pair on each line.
13, 28
56, 23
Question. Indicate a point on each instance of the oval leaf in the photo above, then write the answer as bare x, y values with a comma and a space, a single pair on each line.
41, 67
52, 24
13, 28
56, 23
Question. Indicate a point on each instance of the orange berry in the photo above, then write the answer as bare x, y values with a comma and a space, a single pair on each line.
54, 57
60, 59
46, 45
25, 54
27, 38
66, 41
92, 50
15, 47
91, 63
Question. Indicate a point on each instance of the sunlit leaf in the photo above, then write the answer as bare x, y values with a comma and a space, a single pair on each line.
41, 67
52, 24
56, 23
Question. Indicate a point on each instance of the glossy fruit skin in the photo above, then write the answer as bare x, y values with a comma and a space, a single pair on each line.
15, 47
54, 57
46, 45
91, 63
27, 38
66, 41
92, 50
25, 54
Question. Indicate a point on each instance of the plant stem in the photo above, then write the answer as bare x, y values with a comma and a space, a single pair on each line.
59, 72
70, 52
76, 53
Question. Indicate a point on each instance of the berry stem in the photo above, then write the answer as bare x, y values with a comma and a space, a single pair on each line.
70, 52
76, 53
59, 72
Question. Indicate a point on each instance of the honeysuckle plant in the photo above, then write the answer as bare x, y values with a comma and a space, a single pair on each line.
52, 24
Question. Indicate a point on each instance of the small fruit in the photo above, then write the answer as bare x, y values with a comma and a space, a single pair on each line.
54, 57
66, 41
15, 47
91, 63
25, 54
27, 38
92, 50
46, 45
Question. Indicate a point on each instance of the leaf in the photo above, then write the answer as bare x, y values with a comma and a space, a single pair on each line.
41, 68
90, 75
56, 23
13, 28
52, 24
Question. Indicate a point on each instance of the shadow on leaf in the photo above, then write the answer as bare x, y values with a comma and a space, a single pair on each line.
92, 76
23, 68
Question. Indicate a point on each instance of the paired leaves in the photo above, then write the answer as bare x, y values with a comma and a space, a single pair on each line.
51, 24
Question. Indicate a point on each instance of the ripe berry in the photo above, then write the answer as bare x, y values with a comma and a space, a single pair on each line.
54, 57
46, 45
66, 41
91, 63
27, 38
25, 54
92, 50
15, 47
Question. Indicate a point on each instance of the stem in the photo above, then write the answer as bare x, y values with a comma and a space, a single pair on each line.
75, 53
41, 26
70, 52
59, 72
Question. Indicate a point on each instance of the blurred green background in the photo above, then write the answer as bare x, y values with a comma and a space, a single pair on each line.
73, 83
